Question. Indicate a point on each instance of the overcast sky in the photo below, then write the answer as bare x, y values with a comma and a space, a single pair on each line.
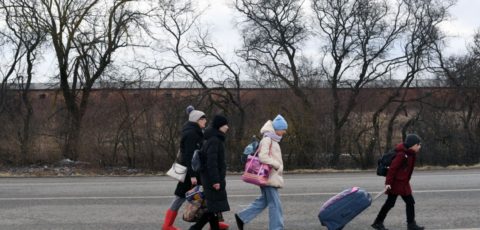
220, 17
463, 24
465, 20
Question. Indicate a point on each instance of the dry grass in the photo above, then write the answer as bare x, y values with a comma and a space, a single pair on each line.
451, 167
73, 172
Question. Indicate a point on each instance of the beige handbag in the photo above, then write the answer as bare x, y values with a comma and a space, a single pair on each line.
177, 171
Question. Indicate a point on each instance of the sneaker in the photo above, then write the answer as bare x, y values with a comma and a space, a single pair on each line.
239, 222
378, 226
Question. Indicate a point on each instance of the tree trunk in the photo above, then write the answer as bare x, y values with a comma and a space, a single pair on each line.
335, 158
70, 150
25, 141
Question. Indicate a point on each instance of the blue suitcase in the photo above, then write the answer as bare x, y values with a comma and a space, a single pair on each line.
343, 207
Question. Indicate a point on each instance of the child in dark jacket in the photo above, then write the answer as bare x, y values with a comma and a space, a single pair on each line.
397, 182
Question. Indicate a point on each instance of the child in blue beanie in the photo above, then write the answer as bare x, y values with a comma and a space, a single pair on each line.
269, 153
279, 123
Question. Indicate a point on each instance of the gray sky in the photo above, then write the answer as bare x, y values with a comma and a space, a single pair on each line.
460, 28
220, 18
462, 25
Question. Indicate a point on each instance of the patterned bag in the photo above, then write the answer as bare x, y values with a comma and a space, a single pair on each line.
196, 204
256, 172
193, 211
195, 194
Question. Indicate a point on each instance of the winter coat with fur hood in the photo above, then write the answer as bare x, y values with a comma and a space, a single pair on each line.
271, 156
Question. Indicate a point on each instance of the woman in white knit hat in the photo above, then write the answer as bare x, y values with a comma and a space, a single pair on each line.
192, 138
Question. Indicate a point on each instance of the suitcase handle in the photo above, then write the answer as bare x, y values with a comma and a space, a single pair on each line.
379, 194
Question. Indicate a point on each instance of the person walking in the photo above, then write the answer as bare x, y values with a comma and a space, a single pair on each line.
271, 154
213, 173
397, 182
192, 138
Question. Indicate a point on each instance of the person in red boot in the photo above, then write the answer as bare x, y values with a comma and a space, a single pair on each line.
213, 172
221, 224
397, 182
192, 139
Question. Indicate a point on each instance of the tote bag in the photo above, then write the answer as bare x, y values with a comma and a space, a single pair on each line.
196, 204
256, 172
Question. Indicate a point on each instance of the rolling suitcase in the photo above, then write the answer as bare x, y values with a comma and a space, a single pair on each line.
343, 207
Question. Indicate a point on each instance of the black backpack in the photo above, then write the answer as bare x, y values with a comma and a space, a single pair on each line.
196, 162
384, 162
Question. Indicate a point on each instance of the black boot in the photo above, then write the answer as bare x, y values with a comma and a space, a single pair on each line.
239, 222
378, 226
414, 226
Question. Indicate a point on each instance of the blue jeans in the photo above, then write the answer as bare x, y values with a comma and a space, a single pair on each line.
270, 198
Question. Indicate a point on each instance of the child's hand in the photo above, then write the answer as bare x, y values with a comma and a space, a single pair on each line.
388, 187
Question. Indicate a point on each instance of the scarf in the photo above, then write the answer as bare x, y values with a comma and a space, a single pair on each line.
272, 135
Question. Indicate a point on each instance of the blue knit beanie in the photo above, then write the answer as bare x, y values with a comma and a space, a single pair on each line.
279, 123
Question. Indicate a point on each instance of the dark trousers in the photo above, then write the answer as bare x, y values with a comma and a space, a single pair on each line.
409, 203
207, 217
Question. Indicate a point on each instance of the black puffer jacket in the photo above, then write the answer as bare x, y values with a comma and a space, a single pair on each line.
214, 169
192, 139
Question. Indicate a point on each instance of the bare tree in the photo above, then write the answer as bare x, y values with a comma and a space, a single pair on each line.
84, 36
273, 32
197, 58
11, 52
274, 35
11, 46
463, 73
228, 84
360, 38
30, 36
421, 36
475, 48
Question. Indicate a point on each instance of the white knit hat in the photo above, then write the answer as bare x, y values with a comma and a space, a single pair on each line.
195, 115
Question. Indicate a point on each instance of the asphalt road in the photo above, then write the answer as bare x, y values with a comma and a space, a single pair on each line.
444, 200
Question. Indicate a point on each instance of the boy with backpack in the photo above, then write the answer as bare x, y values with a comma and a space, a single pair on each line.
397, 182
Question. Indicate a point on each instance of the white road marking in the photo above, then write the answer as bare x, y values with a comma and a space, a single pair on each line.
166, 180
230, 195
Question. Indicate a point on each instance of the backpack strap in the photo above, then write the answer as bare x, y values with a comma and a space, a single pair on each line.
405, 161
